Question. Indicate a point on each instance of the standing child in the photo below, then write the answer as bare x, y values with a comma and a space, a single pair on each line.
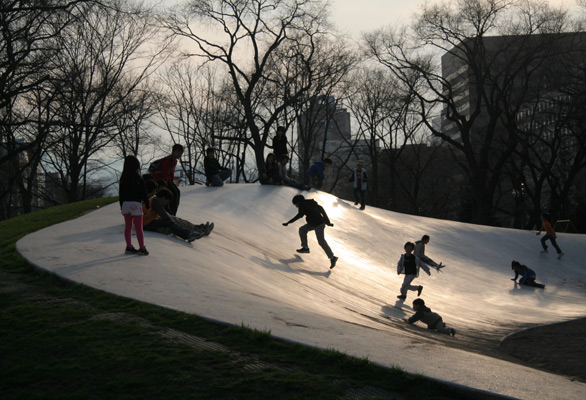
317, 172
527, 275
316, 219
359, 178
428, 317
549, 235
280, 143
409, 265
132, 193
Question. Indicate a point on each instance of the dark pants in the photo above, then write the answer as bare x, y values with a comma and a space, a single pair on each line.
553, 242
360, 197
219, 178
319, 234
174, 204
167, 227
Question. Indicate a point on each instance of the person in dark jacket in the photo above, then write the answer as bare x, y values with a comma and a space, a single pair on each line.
280, 143
270, 172
316, 219
132, 194
317, 172
428, 317
215, 173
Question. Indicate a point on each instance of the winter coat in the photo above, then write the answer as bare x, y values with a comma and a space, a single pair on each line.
363, 178
527, 274
317, 169
418, 264
135, 190
314, 213
165, 169
425, 315
212, 167
279, 146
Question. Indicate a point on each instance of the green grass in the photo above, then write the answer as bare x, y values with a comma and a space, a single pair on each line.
60, 340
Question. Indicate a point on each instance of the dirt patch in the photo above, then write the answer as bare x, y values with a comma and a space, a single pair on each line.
558, 348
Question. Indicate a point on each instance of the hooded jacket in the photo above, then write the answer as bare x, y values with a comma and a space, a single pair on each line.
314, 213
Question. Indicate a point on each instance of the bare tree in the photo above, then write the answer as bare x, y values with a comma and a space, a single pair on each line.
497, 76
245, 36
103, 60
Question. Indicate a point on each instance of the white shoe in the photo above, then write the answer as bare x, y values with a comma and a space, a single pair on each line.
543, 251
560, 256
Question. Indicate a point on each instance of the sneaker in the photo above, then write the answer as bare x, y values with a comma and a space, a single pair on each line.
560, 256
362, 208
143, 252
419, 290
452, 332
543, 251
401, 297
303, 250
333, 260
209, 229
131, 250
355, 203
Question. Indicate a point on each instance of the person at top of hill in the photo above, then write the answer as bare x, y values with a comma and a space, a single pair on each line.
420, 252
156, 218
359, 177
316, 219
431, 319
317, 170
280, 143
132, 194
269, 174
527, 275
409, 265
549, 235
215, 173
165, 169
285, 180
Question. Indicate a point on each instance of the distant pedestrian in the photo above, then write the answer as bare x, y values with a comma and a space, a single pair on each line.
280, 144
165, 169
317, 172
132, 194
528, 276
215, 173
549, 235
316, 219
431, 319
359, 178
420, 252
409, 265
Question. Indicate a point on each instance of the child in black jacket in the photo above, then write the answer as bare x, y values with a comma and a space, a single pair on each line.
425, 315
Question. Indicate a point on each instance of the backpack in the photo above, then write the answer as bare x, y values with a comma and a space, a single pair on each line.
155, 165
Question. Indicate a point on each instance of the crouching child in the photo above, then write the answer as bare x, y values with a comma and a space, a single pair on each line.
432, 319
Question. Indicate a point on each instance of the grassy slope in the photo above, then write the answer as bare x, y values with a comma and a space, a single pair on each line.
64, 340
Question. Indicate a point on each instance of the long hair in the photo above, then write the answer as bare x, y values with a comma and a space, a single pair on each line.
130, 171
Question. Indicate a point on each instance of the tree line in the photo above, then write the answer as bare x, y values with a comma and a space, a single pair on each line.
84, 82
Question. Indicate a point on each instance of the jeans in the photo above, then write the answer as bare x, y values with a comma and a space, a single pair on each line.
553, 242
161, 226
219, 178
359, 197
407, 284
319, 234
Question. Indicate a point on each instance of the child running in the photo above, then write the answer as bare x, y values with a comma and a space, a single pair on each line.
132, 194
549, 235
428, 317
316, 219
409, 265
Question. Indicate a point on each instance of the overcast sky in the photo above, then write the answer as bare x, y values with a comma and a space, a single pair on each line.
356, 16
